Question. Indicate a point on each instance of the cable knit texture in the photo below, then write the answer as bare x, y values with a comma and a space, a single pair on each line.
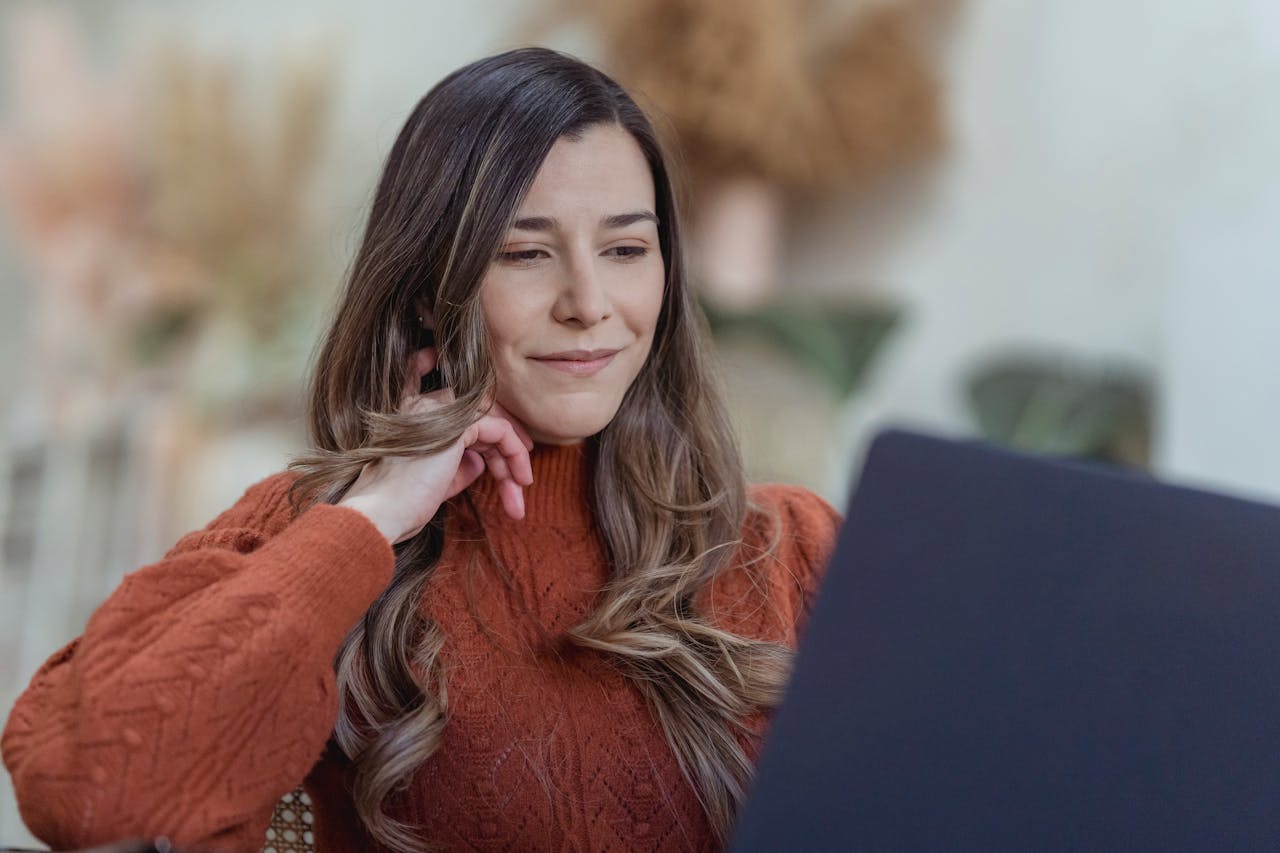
202, 690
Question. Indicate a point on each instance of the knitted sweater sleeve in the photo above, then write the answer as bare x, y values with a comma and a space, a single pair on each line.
202, 689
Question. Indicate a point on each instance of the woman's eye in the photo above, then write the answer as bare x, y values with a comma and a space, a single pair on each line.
628, 253
522, 256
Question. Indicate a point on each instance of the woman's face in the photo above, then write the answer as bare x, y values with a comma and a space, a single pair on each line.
573, 296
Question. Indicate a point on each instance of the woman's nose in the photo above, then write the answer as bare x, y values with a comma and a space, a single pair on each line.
583, 298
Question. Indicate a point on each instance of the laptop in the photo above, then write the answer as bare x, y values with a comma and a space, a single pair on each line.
1015, 653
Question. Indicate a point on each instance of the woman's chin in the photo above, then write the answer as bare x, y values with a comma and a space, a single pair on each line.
561, 436
562, 432
557, 441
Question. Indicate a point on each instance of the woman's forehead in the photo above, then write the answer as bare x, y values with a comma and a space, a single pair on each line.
602, 174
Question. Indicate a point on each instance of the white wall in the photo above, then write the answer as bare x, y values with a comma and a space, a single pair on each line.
1221, 343
1112, 189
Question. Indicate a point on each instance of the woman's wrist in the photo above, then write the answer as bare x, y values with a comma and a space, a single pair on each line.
362, 505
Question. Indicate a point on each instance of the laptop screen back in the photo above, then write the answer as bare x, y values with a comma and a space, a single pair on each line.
1010, 653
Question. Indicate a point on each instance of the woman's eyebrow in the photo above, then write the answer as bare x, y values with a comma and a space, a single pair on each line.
622, 220
616, 220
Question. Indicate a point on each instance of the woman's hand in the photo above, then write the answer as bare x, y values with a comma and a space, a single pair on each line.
401, 494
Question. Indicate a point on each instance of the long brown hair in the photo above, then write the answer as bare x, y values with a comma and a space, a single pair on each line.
670, 492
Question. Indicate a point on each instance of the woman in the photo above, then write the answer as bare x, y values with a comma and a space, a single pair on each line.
571, 616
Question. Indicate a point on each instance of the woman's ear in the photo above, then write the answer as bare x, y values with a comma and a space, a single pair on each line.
426, 319
426, 323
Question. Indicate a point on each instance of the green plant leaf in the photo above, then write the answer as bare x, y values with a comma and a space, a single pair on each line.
834, 343
1029, 402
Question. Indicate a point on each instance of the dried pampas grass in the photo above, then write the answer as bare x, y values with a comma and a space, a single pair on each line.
806, 94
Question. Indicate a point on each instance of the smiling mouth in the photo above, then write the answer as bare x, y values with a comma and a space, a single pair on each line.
578, 362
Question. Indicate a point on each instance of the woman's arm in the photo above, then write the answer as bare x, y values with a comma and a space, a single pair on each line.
202, 690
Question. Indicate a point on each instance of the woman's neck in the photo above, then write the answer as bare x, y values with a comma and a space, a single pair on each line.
561, 492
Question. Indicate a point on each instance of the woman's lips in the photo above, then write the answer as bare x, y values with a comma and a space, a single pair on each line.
578, 362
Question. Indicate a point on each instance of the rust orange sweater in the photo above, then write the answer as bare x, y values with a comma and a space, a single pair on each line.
202, 690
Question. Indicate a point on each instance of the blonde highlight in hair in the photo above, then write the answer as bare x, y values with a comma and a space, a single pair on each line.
670, 492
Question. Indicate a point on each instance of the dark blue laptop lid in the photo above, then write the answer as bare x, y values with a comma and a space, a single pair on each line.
1013, 653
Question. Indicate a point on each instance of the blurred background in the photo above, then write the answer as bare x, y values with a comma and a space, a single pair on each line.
1055, 225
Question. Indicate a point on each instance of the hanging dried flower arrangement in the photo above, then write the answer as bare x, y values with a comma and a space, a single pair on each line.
154, 209
804, 94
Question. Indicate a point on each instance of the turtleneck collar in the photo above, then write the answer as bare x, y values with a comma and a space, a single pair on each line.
561, 490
